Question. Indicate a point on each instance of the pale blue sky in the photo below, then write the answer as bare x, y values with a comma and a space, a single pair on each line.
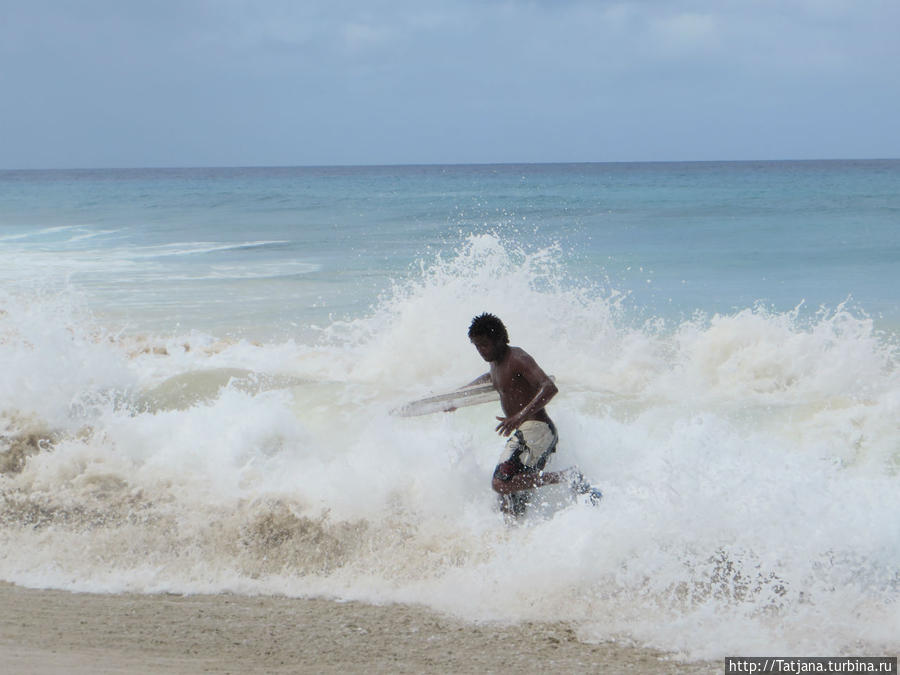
115, 83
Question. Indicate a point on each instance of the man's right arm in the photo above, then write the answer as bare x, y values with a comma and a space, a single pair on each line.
483, 379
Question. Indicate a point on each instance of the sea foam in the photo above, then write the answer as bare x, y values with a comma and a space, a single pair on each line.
748, 461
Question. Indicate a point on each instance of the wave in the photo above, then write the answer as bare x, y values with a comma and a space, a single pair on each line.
90, 234
42, 232
749, 462
275, 270
202, 247
115, 266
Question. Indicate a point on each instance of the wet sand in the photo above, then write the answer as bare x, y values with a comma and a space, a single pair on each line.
61, 632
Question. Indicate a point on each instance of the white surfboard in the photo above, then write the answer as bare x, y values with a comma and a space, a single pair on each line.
458, 398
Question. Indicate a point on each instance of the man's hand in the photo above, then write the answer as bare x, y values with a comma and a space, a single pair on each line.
508, 424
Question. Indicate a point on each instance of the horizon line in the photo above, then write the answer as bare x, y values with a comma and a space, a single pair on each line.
190, 167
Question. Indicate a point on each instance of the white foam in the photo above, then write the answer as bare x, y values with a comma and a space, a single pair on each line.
748, 461
198, 248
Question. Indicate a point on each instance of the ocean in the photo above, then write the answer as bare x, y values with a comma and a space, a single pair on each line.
199, 369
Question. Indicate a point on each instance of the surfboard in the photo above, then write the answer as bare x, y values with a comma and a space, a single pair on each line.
475, 394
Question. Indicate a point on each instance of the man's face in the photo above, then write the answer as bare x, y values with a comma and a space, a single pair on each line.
488, 348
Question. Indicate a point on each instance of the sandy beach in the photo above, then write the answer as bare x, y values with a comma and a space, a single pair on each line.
45, 631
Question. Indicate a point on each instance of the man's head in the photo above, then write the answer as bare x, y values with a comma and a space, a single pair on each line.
489, 336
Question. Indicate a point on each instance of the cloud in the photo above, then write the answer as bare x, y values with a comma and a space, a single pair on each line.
688, 31
212, 81
360, 36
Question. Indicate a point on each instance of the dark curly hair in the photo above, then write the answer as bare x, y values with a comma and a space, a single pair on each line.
489, 325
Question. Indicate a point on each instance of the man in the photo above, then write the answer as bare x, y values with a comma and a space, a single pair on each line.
525, 389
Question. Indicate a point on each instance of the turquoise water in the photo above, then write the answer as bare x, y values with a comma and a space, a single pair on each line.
199, 369
301, 245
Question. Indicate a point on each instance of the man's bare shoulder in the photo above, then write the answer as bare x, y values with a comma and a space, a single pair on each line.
519, 359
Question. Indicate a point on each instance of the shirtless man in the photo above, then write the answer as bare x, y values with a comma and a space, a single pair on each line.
525, 389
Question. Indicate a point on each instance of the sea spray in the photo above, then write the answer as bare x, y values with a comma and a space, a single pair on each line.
749, 462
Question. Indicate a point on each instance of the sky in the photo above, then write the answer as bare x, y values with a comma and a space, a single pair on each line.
134, 83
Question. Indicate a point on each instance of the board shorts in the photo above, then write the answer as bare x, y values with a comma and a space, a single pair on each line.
527, 450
